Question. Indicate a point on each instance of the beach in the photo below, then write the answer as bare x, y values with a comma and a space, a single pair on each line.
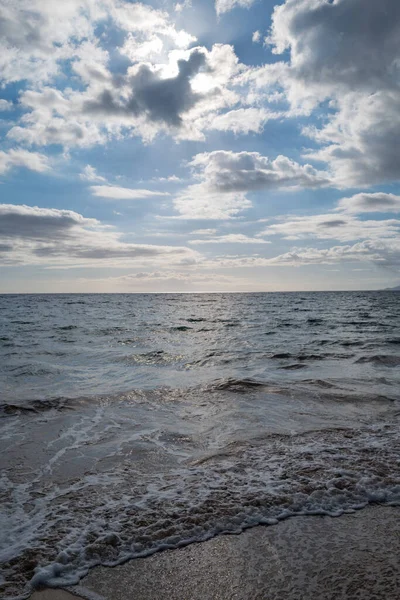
355, 556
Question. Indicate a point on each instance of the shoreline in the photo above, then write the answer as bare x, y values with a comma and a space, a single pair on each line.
354, 556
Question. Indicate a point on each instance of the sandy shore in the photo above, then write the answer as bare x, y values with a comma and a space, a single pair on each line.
305, 558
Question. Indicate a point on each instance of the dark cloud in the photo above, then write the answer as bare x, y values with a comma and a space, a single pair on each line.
161, 100
346, 51
80, 251
38, 223
31, 234
333, 223
352, 42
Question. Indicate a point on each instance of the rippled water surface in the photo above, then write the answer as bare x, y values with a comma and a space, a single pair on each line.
131, 423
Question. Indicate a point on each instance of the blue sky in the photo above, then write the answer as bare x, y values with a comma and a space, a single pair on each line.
235, 145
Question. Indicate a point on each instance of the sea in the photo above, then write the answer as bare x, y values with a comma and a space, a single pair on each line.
132, 423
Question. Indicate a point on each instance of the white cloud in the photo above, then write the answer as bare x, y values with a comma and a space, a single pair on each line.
165, 280
180, 6
226, 177
122, 193
55, 117
204, 231
384, 253
223, 6
170, 179
359, 142
37, 35
332, 226
380, 253
227, 171
89, 174
180, 96
369, 203
256, 37
231, 238
23, 158
243, 120
200, 201
5, 105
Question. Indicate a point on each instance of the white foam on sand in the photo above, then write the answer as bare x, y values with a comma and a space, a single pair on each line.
108, 518
307, 558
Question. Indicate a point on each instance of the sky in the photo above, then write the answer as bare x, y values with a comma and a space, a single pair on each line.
204, 145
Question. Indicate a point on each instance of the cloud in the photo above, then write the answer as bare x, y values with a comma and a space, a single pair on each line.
39, 223
160, 99
89, 174
256, 37
223, 6
383, 253
54, 117
165, 88
5, 105
380, 253
155, 281
208, 231
332, 226
180, 95
376, 240
345, 52
226, 177
369, 203
37, 35
23, 158
227, 171
359, 143
170, 179
122, 193
183, 276
180, 6
243, 120
231, 238
52, 237
352, 44
200, 202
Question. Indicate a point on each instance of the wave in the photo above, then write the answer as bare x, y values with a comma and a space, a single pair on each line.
236, 385
386, 360
154, 357
32, 370
303, 356
320, 383
35, 406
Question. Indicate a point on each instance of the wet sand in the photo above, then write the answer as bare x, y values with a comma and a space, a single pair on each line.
353, 557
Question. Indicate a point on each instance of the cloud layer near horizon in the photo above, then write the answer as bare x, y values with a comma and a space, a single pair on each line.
32, 235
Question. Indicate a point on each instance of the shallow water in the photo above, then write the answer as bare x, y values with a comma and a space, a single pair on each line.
131, 423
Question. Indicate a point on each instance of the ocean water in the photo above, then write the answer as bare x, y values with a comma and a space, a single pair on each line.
134, 423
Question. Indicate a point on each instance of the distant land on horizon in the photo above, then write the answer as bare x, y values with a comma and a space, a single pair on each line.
393, 289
